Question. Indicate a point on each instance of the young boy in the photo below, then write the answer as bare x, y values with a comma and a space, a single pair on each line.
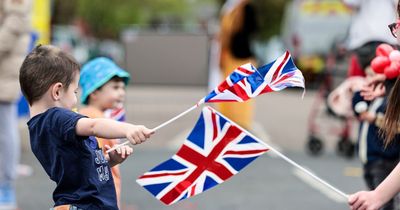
63, 140
103, 88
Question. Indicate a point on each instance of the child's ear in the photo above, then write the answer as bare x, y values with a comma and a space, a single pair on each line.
56, 91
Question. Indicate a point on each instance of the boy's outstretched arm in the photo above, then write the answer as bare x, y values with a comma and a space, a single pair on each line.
111, 129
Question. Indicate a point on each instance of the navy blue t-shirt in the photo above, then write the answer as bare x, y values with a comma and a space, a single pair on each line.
75, 163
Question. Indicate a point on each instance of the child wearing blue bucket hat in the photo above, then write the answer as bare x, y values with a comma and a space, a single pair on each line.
98, 72
103, 89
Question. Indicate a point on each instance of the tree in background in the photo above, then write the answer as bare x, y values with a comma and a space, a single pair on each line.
107, 18
270, 14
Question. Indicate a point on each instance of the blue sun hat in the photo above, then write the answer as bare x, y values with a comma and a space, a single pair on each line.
98, 72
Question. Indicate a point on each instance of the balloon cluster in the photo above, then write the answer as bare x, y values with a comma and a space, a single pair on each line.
387, 61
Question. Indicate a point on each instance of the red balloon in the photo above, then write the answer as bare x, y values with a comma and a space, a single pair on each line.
383, 50
392, 71
394, 56
379, 63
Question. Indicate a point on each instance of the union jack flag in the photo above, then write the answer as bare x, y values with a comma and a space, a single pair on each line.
215, 150
117, 114
238, 74
274, 76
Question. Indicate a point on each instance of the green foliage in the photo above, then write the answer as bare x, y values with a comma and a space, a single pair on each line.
63, 11
107, 18
270, 14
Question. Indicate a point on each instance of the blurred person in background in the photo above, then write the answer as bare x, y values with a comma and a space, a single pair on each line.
390, 187
14, 42
378, 160
238, 24
368, 28
367, 31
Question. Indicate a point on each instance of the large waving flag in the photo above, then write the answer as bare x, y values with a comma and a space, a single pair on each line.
215, 150
274, 76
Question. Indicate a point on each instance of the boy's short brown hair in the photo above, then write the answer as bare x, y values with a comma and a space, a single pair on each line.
43, 67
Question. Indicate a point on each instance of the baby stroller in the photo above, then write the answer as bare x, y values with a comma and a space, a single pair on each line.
331, 113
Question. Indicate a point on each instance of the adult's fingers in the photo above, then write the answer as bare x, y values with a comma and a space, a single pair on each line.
357, 205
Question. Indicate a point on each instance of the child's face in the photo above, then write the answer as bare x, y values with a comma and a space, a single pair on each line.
69, 98
111, 94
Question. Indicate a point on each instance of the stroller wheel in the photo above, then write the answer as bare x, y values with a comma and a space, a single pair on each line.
345, 148
314, 146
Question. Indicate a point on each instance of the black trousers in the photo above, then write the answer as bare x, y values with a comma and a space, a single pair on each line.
375, 172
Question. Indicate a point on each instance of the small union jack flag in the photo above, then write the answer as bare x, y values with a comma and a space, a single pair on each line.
215, 150
117, 114
274, 76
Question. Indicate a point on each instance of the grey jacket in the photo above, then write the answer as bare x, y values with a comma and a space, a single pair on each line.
15, 28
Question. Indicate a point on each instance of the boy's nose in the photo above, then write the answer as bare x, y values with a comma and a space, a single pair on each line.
122, 92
